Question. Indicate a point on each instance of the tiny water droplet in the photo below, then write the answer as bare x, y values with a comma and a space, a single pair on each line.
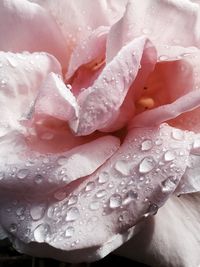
90, 186
72, 200
146, 165
146, 145
101, 193
130, 196
69, 232
37, 211
169, 155
72, 214
169, 184
13, 228
20, 211
41, 232
122, 167
62, 160
103, 178
38, 179
22, 173
94, 205
152, 210
115, 201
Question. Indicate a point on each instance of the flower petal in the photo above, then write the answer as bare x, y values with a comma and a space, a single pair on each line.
21, 76
128, 188
155, 246
100, 103
20, 30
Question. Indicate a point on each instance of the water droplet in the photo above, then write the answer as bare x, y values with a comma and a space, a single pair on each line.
101, 193
115, 201
122, 167
37, 211
69, 232
41, 232
163, 58
103, 178
62, 160
146, 165
1, 175
169, 155
169, 184
72, 200
22, 173
94, 205
158, 142
146, 145
130, 196
20, 211
60, 195
13, 228
47, 136
177, 134
38, 179
124, 217
152, 210
196, 143
72, 214
90, 186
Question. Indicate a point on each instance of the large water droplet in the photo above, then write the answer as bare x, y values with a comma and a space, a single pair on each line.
37, 211
177, 134
115, 201
62, 160
103, 178
130, 196
13, 228
73, 200
94, 205
22, 173
72, 214
122, 167
146, 165
69, 232
152, 210
101, 193
90, 186
169, 155
169, 184
146, 145
41, 232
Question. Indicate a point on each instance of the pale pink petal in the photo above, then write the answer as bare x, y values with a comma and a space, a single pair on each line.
26, 26
171, 238
128, 188
148, 17
100, 104
82, 16
90, 49
21, 76
55, 99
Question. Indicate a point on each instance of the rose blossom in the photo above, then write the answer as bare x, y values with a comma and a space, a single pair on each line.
100, 128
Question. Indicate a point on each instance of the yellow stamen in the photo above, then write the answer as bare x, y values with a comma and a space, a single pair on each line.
146, 102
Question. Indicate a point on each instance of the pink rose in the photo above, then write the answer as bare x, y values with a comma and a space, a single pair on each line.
100, 128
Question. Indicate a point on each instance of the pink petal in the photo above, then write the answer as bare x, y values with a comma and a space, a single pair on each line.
20, 29
82, 16
148, 17
128, 188
21, 76
55, 99
100, 103
171, 238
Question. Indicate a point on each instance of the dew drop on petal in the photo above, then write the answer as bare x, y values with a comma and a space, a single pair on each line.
90, 186
169, 155
146, 165
22, 173
13, 228
146, 145
37, 211
121, 167
103, 178
72, 214
69, 232
41, 232
152, 210
169, 184
101, 193
94, 205
38, 179
115, 201
130, 196
177, 134
72, 200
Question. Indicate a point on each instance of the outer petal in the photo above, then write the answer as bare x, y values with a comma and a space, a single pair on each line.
171, 238
21, 76
129, 187
148, 17
21, 30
